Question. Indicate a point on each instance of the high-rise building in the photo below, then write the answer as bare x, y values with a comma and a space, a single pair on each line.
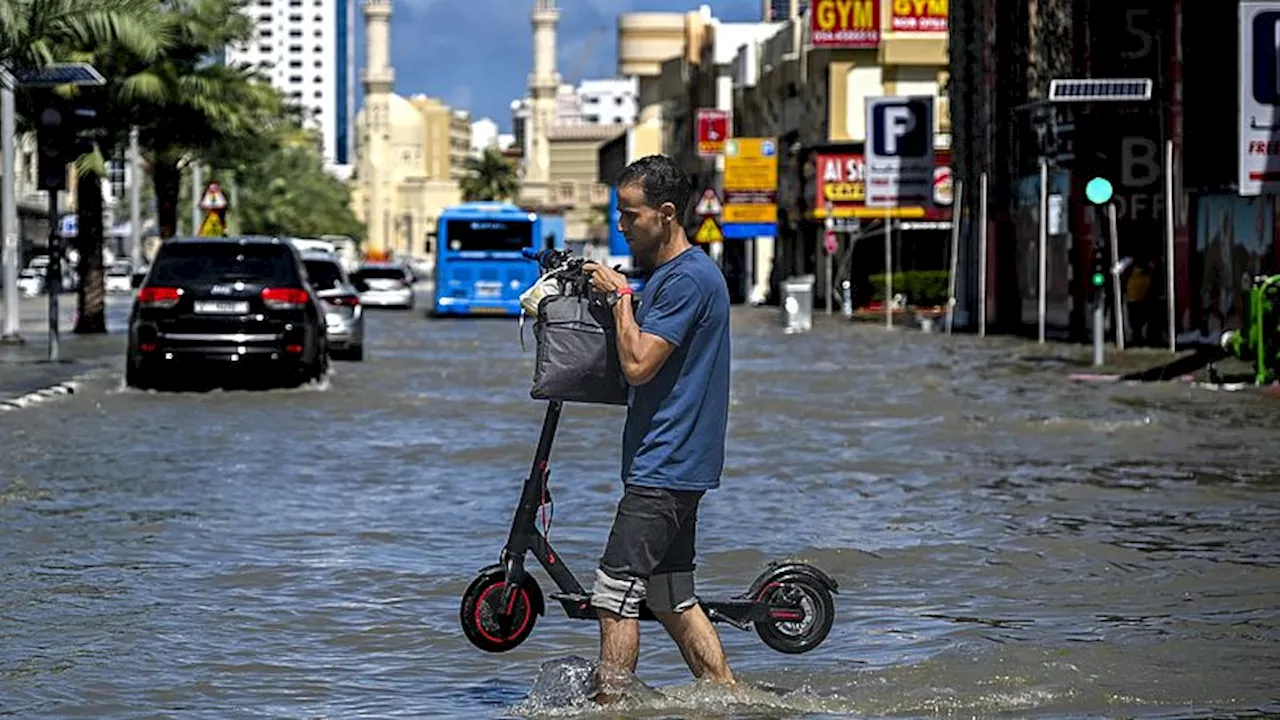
307, 48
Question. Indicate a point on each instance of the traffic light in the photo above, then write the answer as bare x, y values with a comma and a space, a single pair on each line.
1099, 277
60, 123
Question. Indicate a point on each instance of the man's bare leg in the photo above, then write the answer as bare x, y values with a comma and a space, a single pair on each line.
619, 653
699, 643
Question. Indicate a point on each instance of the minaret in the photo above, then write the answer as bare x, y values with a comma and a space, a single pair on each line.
378, 79
543, 86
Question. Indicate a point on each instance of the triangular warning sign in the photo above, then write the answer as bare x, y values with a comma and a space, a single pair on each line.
709, 204
212, 226
213, 197
709, 232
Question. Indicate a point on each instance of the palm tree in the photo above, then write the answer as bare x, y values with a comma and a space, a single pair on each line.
35, 33
490, 177
194, 104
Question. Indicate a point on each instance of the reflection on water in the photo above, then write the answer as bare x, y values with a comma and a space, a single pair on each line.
1005, 541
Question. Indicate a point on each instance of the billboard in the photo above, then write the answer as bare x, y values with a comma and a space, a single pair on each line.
844, 24
919, 16
750, 187
840, 178
1259, 98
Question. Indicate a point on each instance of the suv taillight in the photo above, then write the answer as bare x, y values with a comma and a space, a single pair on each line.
159, 297
284, 298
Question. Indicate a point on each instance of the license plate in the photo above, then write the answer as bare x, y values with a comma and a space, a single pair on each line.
222, 307
488, 290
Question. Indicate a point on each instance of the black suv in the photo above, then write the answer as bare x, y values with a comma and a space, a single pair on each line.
231, 302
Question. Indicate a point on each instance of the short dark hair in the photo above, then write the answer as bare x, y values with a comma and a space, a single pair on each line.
661, 180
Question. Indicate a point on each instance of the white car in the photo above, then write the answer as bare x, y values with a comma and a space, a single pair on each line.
384, 285
119, 278
31, 281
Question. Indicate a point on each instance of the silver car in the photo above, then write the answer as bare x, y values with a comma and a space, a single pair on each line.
385, 285
344, 314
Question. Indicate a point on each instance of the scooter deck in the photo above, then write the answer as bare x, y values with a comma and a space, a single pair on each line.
737, 611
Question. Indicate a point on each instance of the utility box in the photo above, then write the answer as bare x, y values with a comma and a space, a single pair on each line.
797, 303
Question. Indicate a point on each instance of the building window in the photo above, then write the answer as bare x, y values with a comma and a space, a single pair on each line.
295, 33
319, 79
295, 63
295, 48
567, 193
293, 80
295, 18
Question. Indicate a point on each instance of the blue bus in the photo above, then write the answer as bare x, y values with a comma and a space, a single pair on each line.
479, 266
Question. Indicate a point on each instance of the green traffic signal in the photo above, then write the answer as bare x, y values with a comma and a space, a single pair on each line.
1098, 190
1098, 279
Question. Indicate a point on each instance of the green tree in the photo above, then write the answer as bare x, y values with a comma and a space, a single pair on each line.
490, 177
35, 33
287, 191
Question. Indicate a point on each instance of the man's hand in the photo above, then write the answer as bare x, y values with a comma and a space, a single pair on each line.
605, 279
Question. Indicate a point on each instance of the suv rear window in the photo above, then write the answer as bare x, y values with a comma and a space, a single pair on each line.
324, 275
186, 263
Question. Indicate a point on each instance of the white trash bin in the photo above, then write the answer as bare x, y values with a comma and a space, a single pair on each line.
797, 303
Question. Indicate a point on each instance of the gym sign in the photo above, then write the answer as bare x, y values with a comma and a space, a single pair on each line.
844, 24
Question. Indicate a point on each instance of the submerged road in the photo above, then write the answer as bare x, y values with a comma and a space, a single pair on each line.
1005, 541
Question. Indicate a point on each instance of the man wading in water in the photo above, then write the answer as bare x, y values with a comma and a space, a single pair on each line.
674, 353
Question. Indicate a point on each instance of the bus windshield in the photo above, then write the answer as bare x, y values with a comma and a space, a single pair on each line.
489, 235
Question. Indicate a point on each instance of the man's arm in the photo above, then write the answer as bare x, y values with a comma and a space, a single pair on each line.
672, 314
641, 354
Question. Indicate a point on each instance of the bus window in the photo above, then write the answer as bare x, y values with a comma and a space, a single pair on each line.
488, 235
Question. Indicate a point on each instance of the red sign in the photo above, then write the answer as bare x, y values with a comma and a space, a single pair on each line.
713, 130
919, 15
840, 179
844, 23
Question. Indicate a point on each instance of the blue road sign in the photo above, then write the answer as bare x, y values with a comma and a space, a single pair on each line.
899, 162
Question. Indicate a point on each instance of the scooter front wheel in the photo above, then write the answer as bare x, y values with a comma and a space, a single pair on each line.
484, 621
802, 611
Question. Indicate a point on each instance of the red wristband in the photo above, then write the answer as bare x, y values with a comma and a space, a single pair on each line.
624, 291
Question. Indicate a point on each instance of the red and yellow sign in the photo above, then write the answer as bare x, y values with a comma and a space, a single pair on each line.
845, 23
919, 16
840, 180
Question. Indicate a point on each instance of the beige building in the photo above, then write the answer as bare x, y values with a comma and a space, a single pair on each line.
575, 152
775, 84
410, 153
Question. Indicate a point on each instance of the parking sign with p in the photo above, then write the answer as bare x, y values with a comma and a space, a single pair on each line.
899, 151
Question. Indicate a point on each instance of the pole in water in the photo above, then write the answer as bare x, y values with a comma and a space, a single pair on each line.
888, 268
1098, 336
53, 274
982, 257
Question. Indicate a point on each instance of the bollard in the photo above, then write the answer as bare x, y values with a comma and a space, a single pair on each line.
797, 303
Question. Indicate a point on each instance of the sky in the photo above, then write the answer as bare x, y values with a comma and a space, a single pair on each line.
477, 54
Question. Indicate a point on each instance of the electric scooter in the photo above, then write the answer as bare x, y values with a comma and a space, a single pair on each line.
790, 605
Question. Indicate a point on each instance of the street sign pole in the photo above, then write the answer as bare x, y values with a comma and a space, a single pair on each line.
899, 160
9, 214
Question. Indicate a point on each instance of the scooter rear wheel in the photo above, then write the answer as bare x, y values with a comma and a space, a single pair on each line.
813, 601
481, 614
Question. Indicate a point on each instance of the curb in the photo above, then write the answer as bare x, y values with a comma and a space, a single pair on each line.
32, 398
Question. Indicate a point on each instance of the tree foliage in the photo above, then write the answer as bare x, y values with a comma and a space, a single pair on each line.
490, 177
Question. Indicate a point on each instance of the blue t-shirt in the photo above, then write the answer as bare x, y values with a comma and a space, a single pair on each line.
675, 431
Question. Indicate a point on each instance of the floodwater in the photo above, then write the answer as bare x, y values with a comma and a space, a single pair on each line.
1006, 541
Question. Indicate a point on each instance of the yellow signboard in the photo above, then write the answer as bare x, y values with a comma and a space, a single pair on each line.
709, 232
212, 226
750, 164
751, 213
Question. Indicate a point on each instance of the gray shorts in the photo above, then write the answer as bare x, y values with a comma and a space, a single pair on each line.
650, 553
